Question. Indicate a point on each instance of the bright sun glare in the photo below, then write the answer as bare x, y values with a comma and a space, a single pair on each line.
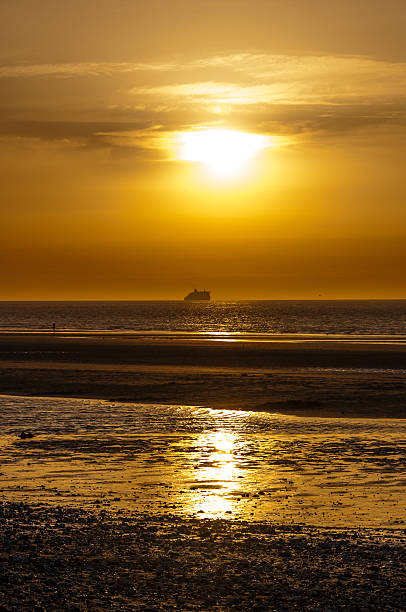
224, 152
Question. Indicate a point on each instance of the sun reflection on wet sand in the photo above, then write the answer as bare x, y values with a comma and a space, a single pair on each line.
216, 475
194, 461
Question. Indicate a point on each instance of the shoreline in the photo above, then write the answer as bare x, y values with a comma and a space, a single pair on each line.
323, 377
203, 335
289, 408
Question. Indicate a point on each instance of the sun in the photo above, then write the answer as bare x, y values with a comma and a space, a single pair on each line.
223, 152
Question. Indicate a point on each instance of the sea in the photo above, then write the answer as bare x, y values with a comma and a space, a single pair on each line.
380, 317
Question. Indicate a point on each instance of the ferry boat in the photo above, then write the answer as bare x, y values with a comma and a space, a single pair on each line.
198, 296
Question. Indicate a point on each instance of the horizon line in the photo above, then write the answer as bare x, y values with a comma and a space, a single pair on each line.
318, 299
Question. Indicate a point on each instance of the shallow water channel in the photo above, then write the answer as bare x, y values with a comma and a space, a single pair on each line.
192, 461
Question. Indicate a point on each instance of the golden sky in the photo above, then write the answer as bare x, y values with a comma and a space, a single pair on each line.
256, 148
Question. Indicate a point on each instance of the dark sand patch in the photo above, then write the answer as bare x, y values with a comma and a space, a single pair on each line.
323, 377
326, 393
63, 559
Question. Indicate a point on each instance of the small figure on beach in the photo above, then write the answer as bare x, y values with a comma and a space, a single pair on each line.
53, 327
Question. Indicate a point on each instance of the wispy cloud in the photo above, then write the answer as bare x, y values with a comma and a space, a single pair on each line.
79, 69
219, 93
247, 78
263, 93
290, 79
313, 70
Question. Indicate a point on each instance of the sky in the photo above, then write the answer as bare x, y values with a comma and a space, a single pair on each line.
254, 148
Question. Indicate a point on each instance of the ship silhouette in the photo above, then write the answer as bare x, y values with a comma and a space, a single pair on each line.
197, 296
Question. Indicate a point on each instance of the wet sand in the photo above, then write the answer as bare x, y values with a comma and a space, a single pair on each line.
96, 519
306, 375
206, 463
126, 507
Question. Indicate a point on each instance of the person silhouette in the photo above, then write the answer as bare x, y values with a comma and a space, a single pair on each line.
53, 327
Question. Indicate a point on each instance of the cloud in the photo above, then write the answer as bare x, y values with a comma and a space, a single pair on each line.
263, 93
313, 95
291, 80
81, 134
78, 69
247, 78
310, 71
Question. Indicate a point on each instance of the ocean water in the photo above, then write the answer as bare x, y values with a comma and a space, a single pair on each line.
268, 317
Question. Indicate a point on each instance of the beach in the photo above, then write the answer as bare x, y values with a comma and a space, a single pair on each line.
306, 375
186, 471
59, 559
124, 506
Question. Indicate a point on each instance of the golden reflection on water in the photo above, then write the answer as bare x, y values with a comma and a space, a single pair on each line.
216, 475
223, 336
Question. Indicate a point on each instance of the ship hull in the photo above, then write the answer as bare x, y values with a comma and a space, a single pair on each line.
198, 296
186, 299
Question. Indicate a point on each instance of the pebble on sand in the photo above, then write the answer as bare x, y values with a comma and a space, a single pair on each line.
27, 434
